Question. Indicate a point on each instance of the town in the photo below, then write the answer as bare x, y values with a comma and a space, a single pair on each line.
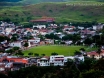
16, 39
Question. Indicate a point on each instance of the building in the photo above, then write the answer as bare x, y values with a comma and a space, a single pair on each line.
43, 62
18, 59
16, 44
57, 60
68, 58
2, 67
43, 20
39, 26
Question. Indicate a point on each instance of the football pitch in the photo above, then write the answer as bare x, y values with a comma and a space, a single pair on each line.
60, 49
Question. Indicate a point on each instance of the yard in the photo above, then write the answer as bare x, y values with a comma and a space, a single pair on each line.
60, 49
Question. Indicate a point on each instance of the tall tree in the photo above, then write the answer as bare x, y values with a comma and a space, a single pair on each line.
99, 51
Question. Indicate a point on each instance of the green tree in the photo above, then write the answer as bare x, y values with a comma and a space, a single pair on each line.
43, 55
36, 54
26, 44
54, 53
99, 51
10, 51
30, 54
77, 53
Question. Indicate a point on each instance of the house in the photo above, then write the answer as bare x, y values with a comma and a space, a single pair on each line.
33, 42
9, 30
43, 62
94, 54
18, 59
37, 40
71, 32
68, 58
3, 56
9, 65
2, 67
81, 28
39, 26
43, 31
16, 44
4, 24
68, 42
49, 41
44, 20
57, 60
79, 57
52, 26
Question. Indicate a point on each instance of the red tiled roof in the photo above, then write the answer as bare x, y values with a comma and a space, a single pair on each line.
95, 53
43, 30
44, 19
92, 53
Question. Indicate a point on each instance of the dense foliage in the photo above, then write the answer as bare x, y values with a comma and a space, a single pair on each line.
90, 68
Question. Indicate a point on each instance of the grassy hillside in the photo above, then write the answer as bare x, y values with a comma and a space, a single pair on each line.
61, 11
39, 1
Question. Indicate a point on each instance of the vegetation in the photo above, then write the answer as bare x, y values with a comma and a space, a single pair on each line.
90, 68
56, 49
62, 12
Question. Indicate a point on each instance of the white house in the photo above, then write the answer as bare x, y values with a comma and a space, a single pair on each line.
16, 44
43, 62
68, 42
81, 28
94, 27
68, 57
80, 58
49, 41
39, 26
34, 41
56, 60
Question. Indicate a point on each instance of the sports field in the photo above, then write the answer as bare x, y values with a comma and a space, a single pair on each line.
61, 50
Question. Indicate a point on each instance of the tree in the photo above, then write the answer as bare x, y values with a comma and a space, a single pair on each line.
30, 54
3, 76
82, 49
26, 44
2, 38
51, 36
77, 53
10, 51
92, 74
20, 53
88, 41
36, 54
99, 51
99, 65
54, 53
14, 38
43, 55
16, 48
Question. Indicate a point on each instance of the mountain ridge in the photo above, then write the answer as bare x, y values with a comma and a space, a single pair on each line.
61, 11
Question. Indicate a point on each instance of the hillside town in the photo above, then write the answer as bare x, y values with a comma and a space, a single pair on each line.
21, 38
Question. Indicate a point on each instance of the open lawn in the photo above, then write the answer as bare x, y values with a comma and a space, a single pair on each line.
61, 50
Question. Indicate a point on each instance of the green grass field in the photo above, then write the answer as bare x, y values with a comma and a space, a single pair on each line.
61, 50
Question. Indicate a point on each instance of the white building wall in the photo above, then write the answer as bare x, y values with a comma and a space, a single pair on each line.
57, 60
39, 26
69, 57
16, 44
43, 62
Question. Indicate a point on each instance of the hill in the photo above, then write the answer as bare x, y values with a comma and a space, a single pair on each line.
9, 0
27, 2
61, 11
41, 1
